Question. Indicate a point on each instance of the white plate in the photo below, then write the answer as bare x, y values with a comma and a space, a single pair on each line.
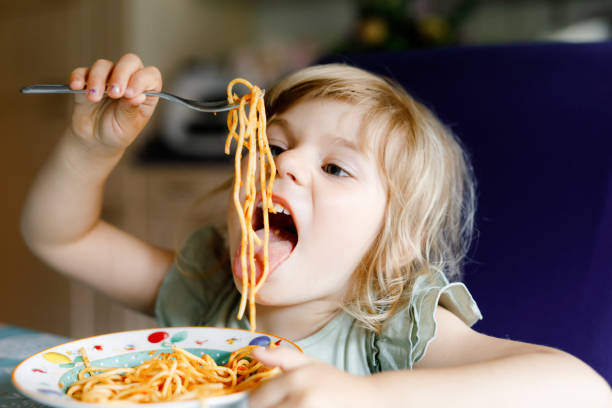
39, 376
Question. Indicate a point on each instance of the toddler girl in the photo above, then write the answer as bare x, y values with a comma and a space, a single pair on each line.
376, 203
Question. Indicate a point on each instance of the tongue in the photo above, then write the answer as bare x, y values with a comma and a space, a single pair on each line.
280, 245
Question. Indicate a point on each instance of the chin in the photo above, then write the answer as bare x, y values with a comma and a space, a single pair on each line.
272, 292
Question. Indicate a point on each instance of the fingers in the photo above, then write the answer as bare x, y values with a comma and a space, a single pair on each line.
125, 68
147, 79
277, 390
271, 393
127, 79
93, 79
77, 78
96, 79
134, 107
283, 357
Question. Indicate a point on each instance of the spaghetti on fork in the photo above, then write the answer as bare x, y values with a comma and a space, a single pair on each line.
249, 132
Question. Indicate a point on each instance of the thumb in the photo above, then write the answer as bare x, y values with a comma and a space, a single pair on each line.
137, 111
129, 117
283, 357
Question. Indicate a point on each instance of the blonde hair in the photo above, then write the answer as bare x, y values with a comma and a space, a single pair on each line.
430, 205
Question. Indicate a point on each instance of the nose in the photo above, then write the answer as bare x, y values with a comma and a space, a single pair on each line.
291, 165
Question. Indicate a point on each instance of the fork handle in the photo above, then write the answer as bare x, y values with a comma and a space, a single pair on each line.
61, 89
46, 89
209, 107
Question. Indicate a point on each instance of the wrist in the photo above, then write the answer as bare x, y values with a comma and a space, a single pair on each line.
86, 158
372, 392
92, 148
392, 388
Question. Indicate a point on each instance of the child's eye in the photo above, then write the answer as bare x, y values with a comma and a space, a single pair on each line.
335, 170
276, 150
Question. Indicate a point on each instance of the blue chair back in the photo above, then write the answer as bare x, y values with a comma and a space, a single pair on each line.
537, 122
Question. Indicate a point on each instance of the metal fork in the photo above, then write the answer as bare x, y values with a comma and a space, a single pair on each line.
211, 107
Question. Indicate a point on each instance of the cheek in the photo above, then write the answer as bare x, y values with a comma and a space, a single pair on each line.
359, 208
350, 221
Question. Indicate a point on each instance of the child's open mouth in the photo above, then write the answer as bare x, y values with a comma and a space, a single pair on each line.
282, 239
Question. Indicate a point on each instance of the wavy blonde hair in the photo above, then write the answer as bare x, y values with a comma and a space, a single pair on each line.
430, 205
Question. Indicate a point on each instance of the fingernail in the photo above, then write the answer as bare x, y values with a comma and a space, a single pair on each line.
129, 92
114, 89
92, 91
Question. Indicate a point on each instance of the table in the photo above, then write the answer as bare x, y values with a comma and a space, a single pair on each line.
16, 344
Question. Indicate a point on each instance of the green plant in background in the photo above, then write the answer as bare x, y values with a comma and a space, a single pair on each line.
402, 24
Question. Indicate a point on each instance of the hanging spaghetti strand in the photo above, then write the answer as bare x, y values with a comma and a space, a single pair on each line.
251, 135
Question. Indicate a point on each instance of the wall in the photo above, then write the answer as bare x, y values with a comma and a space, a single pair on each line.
41, 42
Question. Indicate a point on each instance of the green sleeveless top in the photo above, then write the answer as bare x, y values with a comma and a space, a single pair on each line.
199, 290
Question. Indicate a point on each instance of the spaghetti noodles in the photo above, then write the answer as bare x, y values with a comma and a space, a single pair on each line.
170, 376
251, 135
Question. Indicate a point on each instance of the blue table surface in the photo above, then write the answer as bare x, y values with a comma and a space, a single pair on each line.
16, 344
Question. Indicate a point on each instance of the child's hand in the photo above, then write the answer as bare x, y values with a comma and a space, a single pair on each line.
113, 122
308, 382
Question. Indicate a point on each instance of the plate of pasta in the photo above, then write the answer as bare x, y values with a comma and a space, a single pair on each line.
163, 367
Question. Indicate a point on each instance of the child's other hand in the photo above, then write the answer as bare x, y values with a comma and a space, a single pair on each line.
308, 382
113, 121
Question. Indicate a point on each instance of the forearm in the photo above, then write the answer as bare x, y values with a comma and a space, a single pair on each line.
537, 379
61, 222
65, 200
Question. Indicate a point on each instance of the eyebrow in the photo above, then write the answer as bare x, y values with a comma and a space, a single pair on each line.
349, 144
284, 124
337, 140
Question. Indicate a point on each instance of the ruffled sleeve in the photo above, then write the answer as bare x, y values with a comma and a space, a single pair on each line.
404, 337
195, 282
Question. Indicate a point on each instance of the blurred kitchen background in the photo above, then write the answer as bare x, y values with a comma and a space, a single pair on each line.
198, 45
